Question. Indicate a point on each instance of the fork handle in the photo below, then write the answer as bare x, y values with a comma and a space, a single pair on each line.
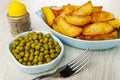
44, 76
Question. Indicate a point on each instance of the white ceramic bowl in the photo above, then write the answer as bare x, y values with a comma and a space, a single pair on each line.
37, 68
83, 44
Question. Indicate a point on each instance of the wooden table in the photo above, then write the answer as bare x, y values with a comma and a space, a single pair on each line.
105, 66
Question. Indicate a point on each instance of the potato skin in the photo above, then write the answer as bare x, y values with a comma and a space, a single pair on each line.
115, 23
97, 8
55, 27
102, 16
97, 28
66, 28
49, 15
78, 20
85, 9
108, 36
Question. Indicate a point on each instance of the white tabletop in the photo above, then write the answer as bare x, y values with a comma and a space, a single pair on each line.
105, 66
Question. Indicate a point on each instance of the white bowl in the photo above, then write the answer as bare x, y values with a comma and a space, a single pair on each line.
83, 44
37, 68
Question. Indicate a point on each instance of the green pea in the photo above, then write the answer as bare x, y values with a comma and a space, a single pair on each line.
45, 40
26, 52
18, 57
42, 49
36, 57
32, 54
48, 59
41, 40
51, 39
40, 33
34, 37
27, 47
40, 62
47, 56
30, 38
29, 63
27, 55
20, 38
13, 46
13, 50
37, 47
21, 48
56, 54
52, 51
37, 52
46, 46
53, 55
25, 59
29, 34
33, 32
50, 46
56, 43
33, 45
41, 54
17, 47
21, 54
46, 52
50, 43
35, 61
22, 44
40, 37
58, 47
57, 50
40, 58
16, 50
40, 44
31, 58
20, 60
32, 50
24, 63
28, 44
48, 35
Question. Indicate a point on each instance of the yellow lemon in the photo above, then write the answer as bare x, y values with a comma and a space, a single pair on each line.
16, 9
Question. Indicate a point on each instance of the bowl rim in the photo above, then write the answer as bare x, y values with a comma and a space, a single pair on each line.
39, 13
35, 66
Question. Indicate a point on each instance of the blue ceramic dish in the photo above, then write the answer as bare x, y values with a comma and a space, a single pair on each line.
83, 44
36, 68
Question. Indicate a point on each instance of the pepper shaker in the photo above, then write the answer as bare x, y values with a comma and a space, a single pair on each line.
18, 17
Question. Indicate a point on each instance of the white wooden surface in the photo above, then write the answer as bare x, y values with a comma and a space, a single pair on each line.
105, 66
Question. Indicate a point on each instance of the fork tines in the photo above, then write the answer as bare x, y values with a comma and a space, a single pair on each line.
72, 67
77, 64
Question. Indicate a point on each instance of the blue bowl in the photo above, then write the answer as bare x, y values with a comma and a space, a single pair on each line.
82, 44
37, 68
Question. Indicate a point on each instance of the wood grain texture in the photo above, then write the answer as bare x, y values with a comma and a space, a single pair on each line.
105, 66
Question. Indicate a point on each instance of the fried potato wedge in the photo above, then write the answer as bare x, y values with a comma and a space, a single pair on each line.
108, 36
97, 8
75, 7
97, 29
55, 27
49, 15
115, 23
56, 10
85, 9
66, 28
102, 16
78, 20
67, 9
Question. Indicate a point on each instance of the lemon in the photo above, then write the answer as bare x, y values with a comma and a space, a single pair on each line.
16, 9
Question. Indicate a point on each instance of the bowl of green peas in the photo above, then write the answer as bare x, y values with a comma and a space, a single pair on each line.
36, 51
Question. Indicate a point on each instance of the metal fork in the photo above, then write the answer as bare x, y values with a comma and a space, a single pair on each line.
72, 67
